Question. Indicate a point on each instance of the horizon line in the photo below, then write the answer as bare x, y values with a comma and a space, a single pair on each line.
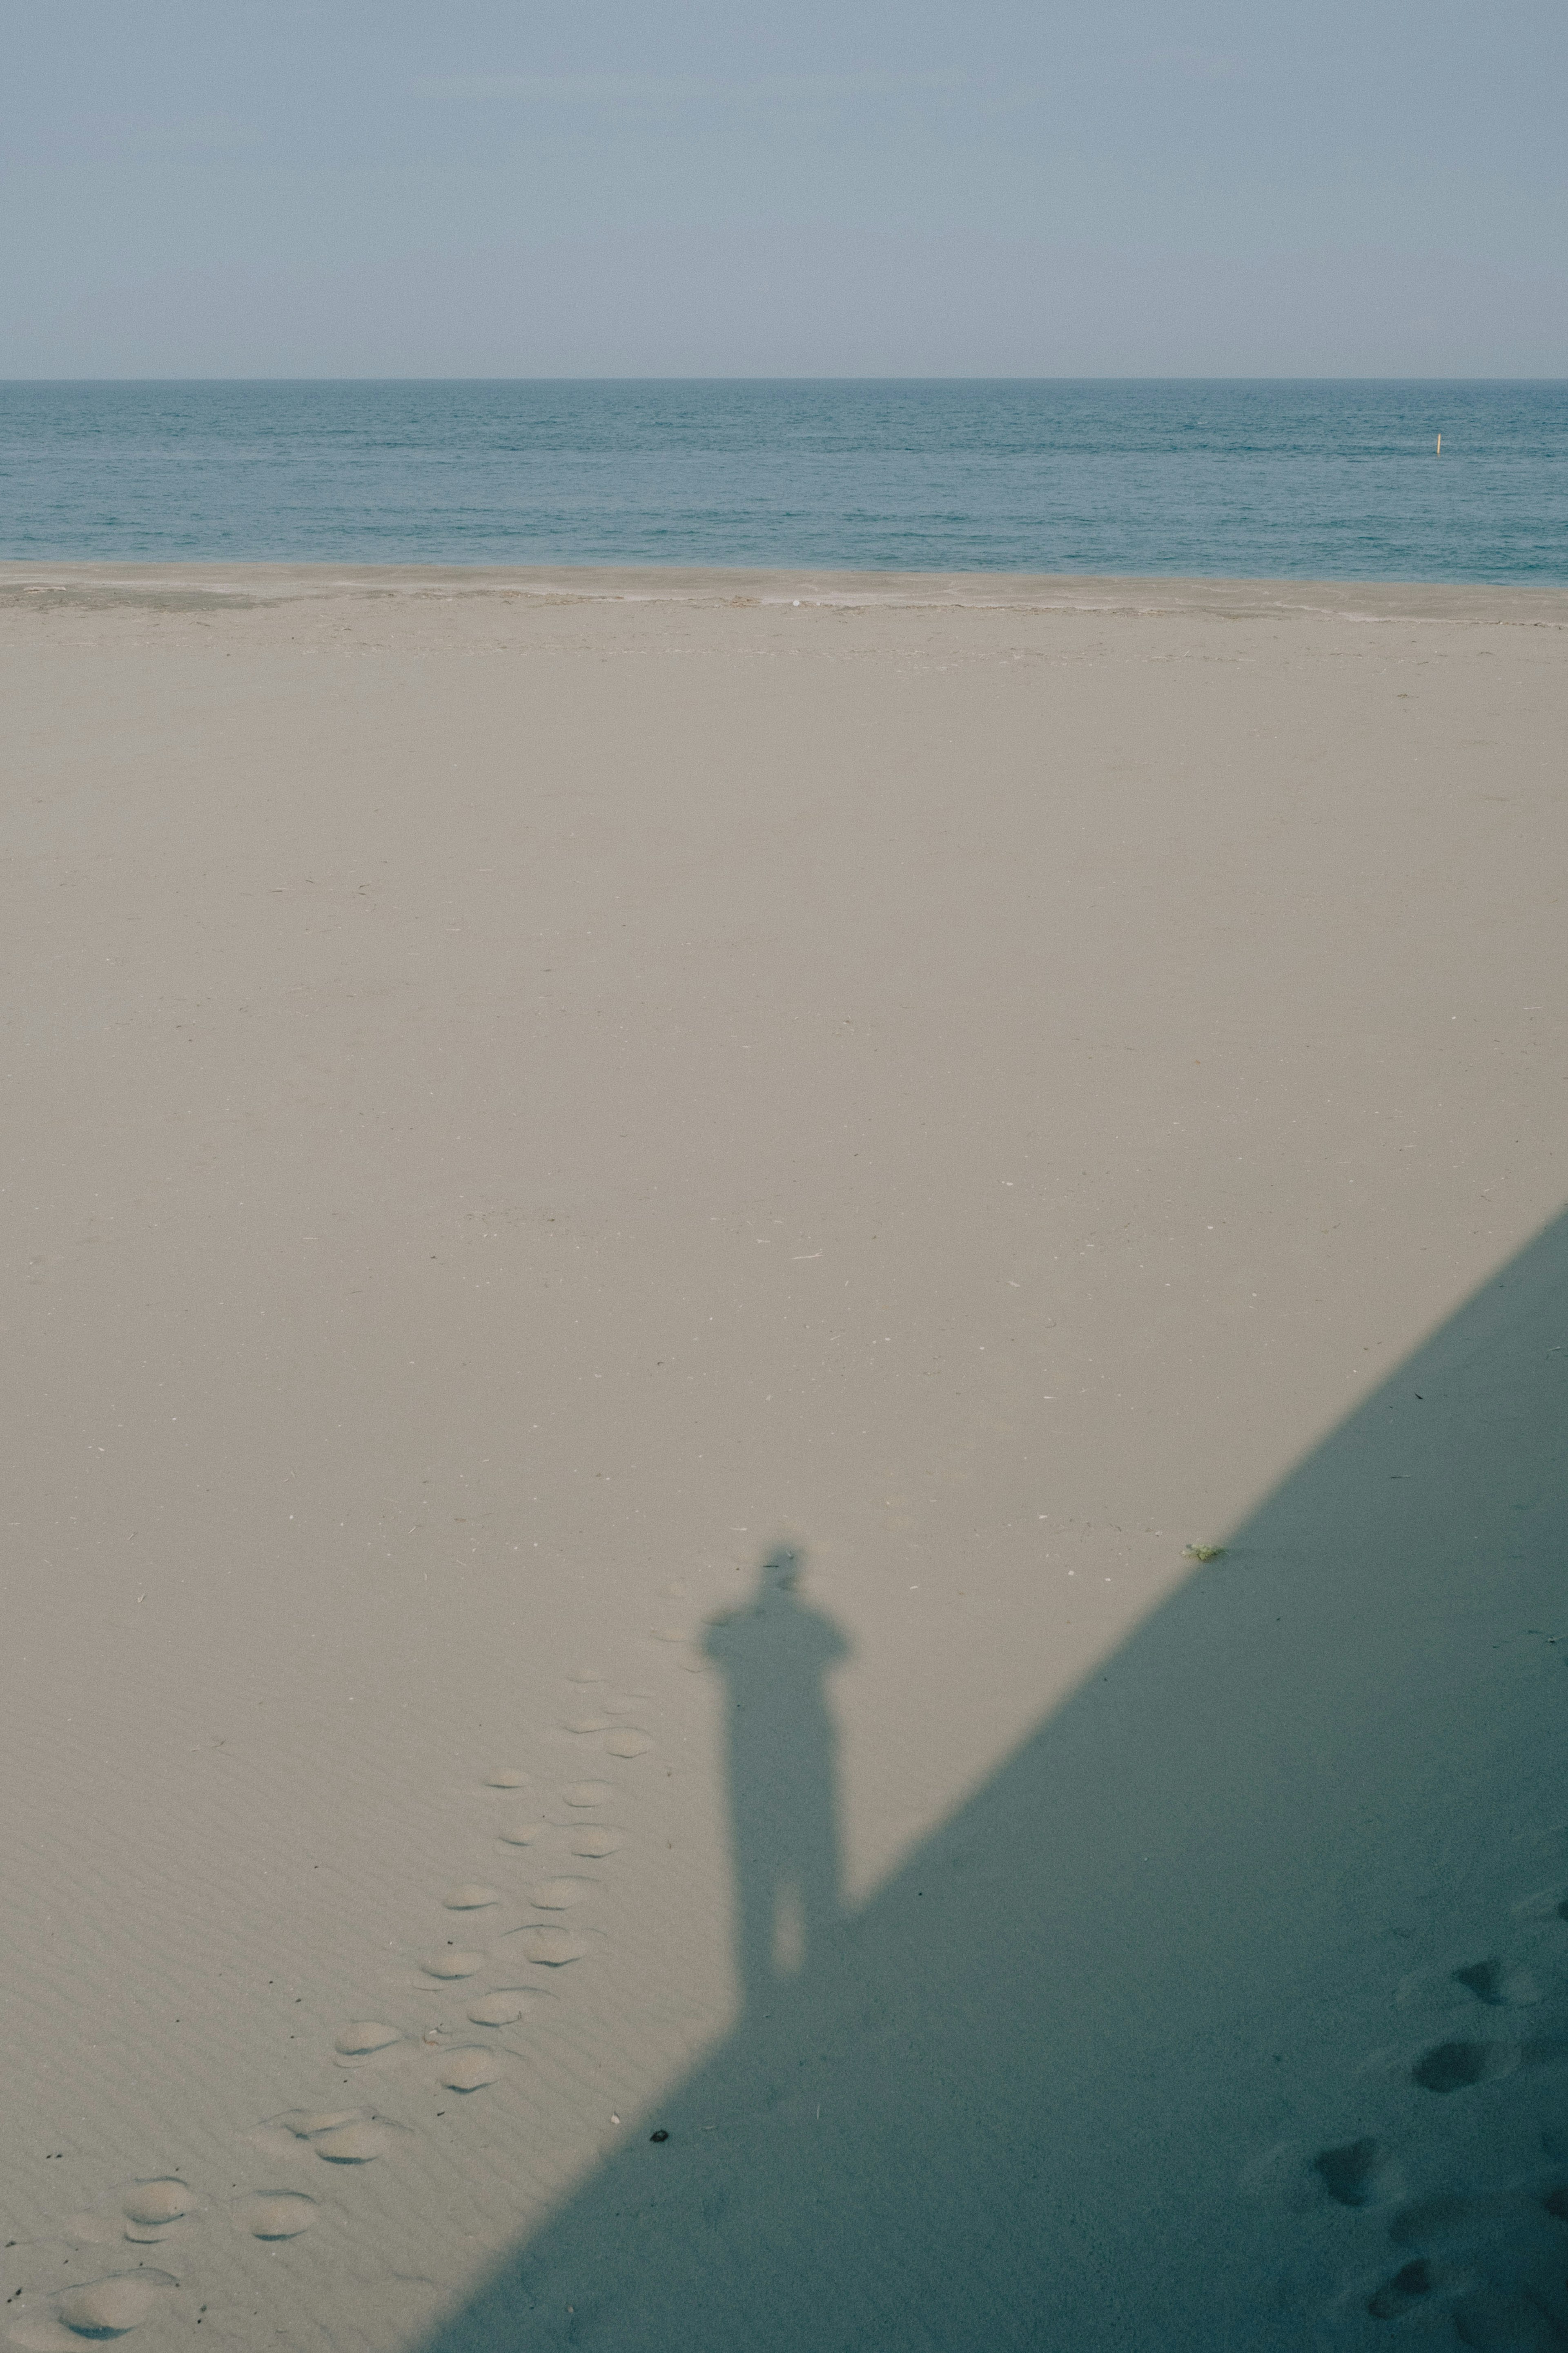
10, 381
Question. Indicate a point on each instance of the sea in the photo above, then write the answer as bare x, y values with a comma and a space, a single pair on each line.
1256, 478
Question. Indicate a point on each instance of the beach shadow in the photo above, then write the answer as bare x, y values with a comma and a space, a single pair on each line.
781, 1752
1192, 2028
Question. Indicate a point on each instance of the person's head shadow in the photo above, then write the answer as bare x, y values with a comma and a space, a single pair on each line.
774, 1653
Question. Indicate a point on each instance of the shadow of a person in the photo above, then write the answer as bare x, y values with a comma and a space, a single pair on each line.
774, 1654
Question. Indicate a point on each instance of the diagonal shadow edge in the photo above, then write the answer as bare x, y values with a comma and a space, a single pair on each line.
1062, 2080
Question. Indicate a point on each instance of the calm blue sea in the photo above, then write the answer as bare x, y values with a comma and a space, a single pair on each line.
1276, 480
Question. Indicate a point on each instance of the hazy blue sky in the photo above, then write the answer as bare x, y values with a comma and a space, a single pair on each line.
211, 187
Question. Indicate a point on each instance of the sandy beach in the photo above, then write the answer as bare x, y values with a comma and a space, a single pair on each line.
1014, 1086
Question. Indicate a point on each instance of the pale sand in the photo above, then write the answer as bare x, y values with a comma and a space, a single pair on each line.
994, 1082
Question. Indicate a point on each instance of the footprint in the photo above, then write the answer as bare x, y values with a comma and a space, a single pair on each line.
354, 2144
587, 1724
584, 1675
585, 1793
1403, 2292
470, 2070
622, 1703
472, 1896
153, 2205
522, 1833
628, 1744
595, 1841
1455, 2067
365, 2035
277, 2213
670, 1634
110, 2307
1362, 2173
1499, 1984
560, 1895
145, 2212
452, 1964
553, 1948
500, 2009
506, 1777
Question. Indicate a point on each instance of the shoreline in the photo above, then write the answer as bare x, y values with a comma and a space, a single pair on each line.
246, 584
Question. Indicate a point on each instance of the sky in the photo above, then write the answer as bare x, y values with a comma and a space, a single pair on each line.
841, 187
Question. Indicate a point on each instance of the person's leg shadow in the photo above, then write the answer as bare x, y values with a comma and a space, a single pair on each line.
774, 1654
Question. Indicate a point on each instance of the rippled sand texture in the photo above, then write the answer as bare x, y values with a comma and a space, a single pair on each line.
1009, 1086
